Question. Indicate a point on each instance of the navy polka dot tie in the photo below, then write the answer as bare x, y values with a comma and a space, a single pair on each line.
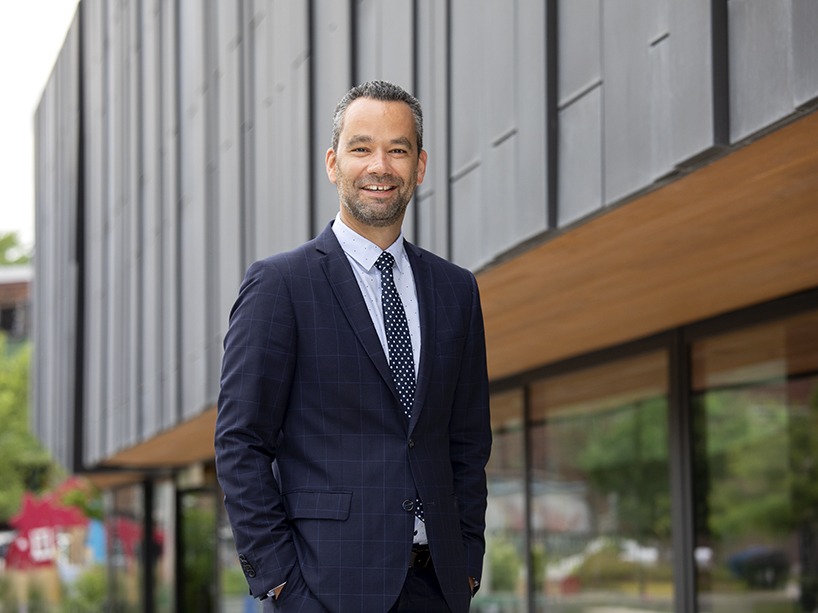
398, 341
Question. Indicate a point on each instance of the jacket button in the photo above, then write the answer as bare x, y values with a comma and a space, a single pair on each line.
408, 505
411, 443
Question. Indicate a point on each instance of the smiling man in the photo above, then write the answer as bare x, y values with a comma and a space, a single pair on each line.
353, 427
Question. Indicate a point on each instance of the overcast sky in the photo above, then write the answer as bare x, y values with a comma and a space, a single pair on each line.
31, 35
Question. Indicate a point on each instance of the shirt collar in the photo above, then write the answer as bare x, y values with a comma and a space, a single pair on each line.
363, 250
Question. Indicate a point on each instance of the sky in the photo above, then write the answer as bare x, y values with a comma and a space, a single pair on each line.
31, 35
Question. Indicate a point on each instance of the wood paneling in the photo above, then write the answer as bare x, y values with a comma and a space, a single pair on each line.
738, 231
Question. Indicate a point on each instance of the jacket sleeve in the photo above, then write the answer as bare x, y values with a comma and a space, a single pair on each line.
257, 370
470, 438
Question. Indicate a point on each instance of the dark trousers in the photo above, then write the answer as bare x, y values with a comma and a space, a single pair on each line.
421, 592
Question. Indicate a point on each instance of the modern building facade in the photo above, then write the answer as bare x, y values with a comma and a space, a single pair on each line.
634, 183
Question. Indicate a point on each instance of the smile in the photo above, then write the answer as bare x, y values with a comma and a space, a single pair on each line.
378, 188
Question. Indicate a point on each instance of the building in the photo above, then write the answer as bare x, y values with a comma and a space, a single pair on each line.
15, 300
635, 185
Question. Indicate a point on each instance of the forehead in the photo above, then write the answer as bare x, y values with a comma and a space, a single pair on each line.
378, 118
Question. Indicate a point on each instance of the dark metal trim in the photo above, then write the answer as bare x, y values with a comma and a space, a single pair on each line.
312, 36
719, 40
680, 447
552, 112
80, 362
353, 43
149, 556
756, 314
246, 189
528, 475
449, 134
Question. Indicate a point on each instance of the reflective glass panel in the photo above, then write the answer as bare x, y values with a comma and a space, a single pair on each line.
600, 510
504, 567
755, 403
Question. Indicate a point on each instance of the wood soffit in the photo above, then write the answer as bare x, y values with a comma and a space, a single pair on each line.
739, 231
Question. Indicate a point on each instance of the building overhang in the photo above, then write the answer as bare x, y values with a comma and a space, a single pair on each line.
188, 443
740, 230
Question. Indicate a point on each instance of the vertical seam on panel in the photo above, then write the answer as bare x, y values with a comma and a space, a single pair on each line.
176, 370
248, 132
78, 417
139, 111
212, 53
353, 44
415, 84
449, 132
312, 214
552, 117
720, 32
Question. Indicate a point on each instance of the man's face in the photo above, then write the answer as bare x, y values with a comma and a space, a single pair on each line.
376, 166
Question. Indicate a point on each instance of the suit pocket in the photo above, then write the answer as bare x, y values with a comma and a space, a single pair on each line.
318, 504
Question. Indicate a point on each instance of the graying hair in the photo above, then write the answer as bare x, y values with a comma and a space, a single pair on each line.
377, 90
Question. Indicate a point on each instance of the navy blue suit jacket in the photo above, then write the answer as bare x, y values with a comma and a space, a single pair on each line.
313, 451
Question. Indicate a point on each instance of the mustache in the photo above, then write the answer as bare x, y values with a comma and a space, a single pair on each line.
390, 180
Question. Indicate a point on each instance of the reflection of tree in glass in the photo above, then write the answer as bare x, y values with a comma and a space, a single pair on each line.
804, 458
626, 455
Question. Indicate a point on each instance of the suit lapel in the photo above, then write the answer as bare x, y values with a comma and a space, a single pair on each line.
345, 287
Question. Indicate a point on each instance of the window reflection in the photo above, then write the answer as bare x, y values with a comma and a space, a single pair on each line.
600, 514
755, 406
503, 586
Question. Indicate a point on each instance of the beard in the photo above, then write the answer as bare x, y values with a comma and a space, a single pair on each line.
378, 213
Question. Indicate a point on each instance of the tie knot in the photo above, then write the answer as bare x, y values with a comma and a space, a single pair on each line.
385, 261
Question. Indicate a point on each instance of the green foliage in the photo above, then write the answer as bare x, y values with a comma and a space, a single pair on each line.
607, 569
8, 599
505, 566
233, 582
87, 594
11, 251
750, 476
24, 464
539, 563
624, 451
199, 528
37, 602
86, 499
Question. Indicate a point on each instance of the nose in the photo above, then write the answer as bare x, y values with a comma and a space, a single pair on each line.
378, 162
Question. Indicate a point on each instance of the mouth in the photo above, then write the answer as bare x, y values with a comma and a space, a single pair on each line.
376, 188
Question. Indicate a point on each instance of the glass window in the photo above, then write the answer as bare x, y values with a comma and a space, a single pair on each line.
600, 487
197, 541
164, 542
124, 524
755, 409
504, 567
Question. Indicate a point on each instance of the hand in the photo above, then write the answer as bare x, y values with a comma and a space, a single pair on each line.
278, 590
473, 585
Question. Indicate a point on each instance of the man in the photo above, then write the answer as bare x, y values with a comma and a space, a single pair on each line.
355, 366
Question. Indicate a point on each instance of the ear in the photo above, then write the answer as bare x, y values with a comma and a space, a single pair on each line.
421, 166
331, 160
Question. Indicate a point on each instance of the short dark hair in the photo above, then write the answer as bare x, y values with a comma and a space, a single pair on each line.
377, 90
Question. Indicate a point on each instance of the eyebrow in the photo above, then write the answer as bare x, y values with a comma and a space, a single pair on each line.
359, 139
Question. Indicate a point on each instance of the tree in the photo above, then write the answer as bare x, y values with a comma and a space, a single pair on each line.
11, 251
24, 464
